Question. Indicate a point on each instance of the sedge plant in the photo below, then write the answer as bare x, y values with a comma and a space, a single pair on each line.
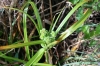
47, 37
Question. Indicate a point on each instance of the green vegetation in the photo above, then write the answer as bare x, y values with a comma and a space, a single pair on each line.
47, 39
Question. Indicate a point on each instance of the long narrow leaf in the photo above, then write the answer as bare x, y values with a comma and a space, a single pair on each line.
70, 30
27, 15
21, 44
11, 58
76, 25
69, 14
25, 31
37, 15
43, 64
54, 25
39, 26
36, 57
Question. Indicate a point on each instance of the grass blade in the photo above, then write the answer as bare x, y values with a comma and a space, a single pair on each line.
25, 32
70, 30
37, 15
11, 58
75, 25
21, 44
43, 64
69, 14
36, 57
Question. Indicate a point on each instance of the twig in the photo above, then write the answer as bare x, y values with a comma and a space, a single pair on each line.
13, 2
50, 8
